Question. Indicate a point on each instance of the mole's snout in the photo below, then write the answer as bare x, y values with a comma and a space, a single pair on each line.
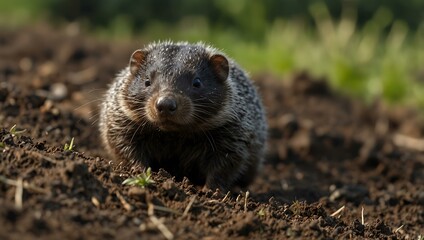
166, 105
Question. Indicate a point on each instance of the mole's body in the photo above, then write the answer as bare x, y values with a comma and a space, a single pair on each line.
189, 109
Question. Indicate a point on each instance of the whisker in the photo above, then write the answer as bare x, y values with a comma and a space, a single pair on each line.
87, 103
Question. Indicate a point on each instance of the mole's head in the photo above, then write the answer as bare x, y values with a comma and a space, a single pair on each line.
178, 87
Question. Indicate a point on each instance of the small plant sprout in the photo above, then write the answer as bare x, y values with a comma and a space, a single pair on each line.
142, 180
14, 132
261, 212
70, 146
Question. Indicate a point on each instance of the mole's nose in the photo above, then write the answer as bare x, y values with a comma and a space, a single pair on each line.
166, 105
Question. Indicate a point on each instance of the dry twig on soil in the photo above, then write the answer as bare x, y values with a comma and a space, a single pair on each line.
337, 212
158, 223
162, 228
408, 142
124, 202
189, 205
245, 201
25, 185
399, 228
165, 209
95, 202
226, 196
18, 193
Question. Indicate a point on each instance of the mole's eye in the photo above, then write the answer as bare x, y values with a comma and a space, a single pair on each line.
196, 82
147, 83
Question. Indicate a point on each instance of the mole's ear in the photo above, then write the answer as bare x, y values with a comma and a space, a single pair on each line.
137, 59
220, 66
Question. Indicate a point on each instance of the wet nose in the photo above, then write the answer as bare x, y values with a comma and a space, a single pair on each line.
166, 105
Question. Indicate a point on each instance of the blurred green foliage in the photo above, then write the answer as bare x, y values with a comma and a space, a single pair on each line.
365, 48
249, 18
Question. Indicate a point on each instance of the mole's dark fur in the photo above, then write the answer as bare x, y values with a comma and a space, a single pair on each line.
189, 109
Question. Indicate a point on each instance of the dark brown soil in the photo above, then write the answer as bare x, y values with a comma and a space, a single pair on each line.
326, 152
